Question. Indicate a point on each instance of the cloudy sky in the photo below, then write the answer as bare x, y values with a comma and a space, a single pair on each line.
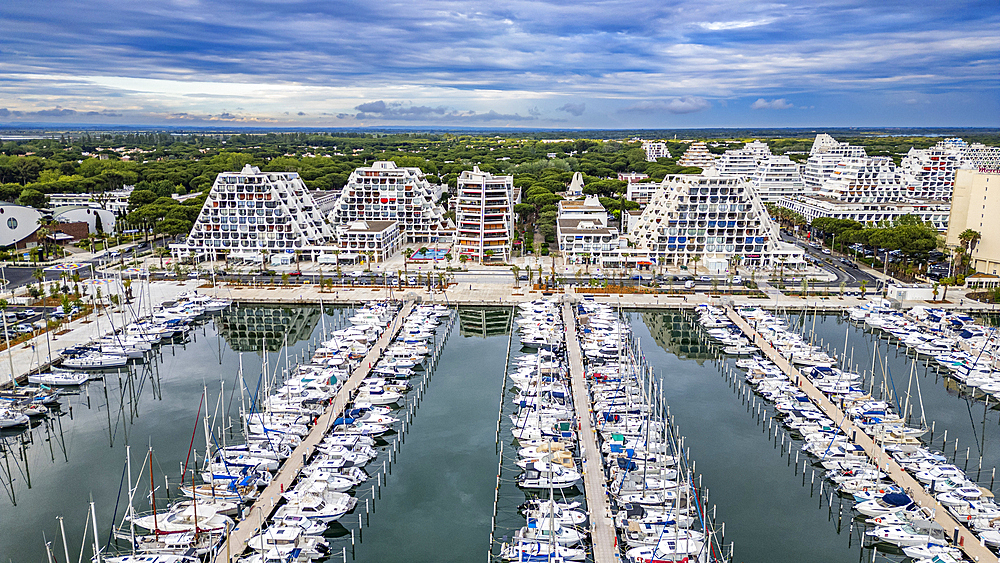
564, 64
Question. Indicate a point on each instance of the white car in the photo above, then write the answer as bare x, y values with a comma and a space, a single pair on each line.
826, 251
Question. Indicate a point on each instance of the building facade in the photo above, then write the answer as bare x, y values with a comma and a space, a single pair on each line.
655, 150
250, 214
974, 207
777, 177
484, 216
710, 219
697, 155
387, 192
371, 241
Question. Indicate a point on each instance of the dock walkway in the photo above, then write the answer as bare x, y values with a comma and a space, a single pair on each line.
602, 527
962, 536
257, 515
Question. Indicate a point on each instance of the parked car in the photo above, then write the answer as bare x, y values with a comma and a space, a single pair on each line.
689, 284
826, 251
737, 280
705, 278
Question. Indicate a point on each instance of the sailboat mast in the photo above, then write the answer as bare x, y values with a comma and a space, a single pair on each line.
93, 517
131, 496
152, 495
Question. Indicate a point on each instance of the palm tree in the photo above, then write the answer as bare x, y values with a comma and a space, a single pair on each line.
162, 251
489, 254
864, 287
586, 261
696, 258
368, 262
39, 275
968, 238
407, 252
515, 268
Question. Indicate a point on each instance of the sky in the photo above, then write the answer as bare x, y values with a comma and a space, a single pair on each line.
515, 63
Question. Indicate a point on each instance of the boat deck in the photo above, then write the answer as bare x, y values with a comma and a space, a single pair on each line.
960, 535
257, 515
602, 527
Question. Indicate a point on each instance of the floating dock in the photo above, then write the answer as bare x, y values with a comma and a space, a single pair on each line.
257, 515
602, 527
962, 537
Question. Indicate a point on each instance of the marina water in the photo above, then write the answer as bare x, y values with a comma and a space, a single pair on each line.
436, 504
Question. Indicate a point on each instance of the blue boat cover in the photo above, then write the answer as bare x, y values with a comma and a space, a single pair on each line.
896, 499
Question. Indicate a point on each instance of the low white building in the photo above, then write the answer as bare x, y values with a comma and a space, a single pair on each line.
97, 219
376, 241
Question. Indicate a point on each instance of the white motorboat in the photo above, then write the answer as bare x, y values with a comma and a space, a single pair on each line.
284, 539
328, 508
917, 532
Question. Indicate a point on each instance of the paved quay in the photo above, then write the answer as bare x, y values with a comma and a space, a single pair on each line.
602, 526
960, 535
42, 350
258, 514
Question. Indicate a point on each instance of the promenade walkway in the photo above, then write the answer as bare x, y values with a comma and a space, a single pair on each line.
257, 515
962, 536
602, 527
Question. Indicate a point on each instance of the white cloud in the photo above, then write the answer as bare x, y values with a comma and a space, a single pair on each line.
779, 103
685, 104
723, 26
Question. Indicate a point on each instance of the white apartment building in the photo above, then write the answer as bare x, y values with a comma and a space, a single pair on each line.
655, 150
115, 201
584, 235
864, 180
697, 155
485, 216
930, 173
713, 218
825, 154
641, 192
387, 192
249, 214
759, 149
777, 177
589, 207
869, 213
370, 241
737, 162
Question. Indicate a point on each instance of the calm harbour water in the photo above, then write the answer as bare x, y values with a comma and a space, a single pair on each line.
437, 503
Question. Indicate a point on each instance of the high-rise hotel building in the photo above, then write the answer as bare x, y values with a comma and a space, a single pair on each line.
484, 216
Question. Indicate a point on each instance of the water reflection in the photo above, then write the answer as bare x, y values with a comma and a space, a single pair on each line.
677, 332
54, 467
484, 322
245, 327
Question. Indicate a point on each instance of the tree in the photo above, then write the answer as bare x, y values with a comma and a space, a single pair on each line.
935, 290
696, 258
33, 198
515, 268
968, 238
38, 275
162, 251
864, 287
407, 252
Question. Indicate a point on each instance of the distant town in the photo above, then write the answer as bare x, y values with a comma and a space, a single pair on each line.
635, 205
